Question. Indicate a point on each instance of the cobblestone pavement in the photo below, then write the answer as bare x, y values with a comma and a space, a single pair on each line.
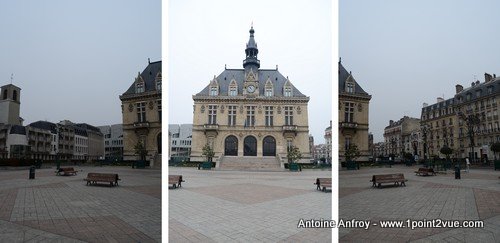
475, 197
54, 208
238, 206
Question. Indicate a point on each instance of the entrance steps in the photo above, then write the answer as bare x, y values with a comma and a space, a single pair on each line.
250, 163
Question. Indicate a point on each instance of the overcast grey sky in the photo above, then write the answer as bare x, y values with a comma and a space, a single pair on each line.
72, 59
405, 53
295, 35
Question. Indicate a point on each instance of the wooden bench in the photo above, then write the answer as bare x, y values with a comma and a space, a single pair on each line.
388, 178
66, 171
93, 178
175, 180
425, 171
323, 183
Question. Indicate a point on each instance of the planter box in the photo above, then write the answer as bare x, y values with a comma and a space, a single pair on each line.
352, 165
294, 167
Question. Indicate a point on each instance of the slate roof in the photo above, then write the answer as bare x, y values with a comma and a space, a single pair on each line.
149, 75
343, 76
278, 80
446, 103
88, 127
16, 129
483, 87
52, 127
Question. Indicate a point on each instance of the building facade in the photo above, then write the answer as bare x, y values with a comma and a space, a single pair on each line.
181, 140
249, 115
354, 105
113, 141
468, 123
141, 112
398, 136
328, 143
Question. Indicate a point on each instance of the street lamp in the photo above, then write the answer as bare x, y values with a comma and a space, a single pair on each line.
471, 121
425, 130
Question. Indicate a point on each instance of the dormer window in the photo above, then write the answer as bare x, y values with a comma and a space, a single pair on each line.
214, 91
139, 87
233, 88
158, 84
287, 92
268, 90
349, 87
233, 91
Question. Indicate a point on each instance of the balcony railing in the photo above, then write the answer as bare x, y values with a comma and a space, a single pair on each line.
289, 128
141, 124
211, 127
348, 125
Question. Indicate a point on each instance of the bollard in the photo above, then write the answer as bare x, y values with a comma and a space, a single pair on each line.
32, 172
457, 172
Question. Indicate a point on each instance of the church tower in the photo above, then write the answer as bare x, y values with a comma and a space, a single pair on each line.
10, 103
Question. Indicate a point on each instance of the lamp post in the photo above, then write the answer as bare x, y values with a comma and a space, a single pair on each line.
471, 121
425, 129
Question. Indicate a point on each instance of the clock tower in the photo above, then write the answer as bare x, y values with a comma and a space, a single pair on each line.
251, 65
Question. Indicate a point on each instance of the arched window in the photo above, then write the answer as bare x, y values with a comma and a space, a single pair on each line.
269, 146
250, 146
231, 146
14, 95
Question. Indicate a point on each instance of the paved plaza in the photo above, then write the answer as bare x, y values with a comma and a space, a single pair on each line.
245, 206
54, 208
475, 197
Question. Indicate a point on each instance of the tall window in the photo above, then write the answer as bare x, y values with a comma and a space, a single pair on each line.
5, 94
269, 116
213, 91
233, 91
250, 121
158, 105
141, 111
288, 115
349, 112
231, 115
212, 114
139, 87
288, 92
14, 95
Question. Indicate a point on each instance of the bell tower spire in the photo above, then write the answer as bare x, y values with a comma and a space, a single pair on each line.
251, 52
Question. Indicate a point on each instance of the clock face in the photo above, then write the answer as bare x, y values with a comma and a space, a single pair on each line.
251, 89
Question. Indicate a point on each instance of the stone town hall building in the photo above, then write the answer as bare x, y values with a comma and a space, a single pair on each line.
250, 116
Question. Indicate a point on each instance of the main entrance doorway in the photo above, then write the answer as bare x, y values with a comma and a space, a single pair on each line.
250, 146
269, 146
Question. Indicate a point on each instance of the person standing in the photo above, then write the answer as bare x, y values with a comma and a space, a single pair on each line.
467, 164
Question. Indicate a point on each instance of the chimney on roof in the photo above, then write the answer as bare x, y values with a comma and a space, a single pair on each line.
494, 76
391, 122
440, 99
477, 82
487, 77
425, 105
472, 84
149, 61
459, 88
